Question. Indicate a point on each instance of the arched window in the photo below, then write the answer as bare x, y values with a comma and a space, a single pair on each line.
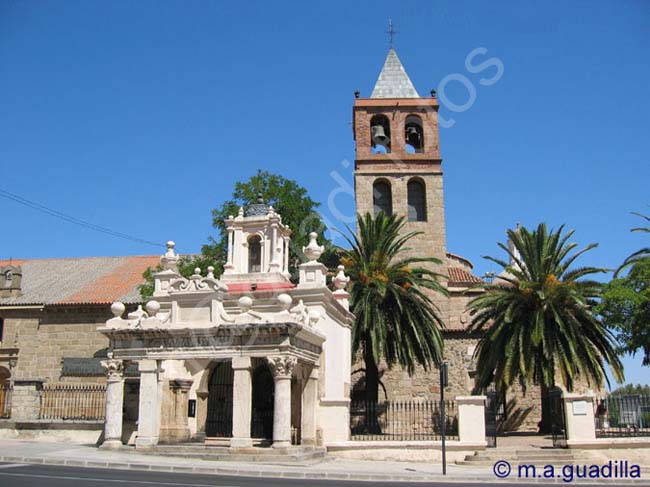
382, 199
380, 134
414, 135
255, 254
9, 276
417, 201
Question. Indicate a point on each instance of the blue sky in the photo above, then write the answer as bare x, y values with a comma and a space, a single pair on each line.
141, 116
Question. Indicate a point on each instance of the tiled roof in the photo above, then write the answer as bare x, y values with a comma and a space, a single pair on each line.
393, 82
91, 280
460, 278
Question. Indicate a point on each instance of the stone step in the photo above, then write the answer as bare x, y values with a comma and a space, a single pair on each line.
296, 454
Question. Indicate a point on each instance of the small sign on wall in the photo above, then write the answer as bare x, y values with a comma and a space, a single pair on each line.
579, 408
191, 408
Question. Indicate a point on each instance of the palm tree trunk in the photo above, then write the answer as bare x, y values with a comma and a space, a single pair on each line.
372, 389
372, 373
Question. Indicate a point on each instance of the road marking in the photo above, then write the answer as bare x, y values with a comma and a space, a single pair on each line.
119, 481
12, 465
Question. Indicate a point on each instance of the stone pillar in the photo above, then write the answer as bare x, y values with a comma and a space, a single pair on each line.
26, 399
149, 408
242, 392
471, 419
309, 404
114, 403
174, 426
282, 369
580, 421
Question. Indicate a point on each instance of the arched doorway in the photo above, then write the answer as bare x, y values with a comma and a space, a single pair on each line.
218, 422
263, 397
5, 375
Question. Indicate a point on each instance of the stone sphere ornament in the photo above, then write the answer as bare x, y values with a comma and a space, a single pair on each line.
152, 308
117, 309
245, 304
284, 300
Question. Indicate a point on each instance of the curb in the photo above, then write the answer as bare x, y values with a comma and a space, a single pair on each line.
237, 472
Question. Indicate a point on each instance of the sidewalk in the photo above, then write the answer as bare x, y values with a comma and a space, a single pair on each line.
15, 451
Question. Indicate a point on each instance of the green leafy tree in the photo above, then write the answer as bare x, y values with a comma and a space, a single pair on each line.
287, 197
396, 320
537, 320
625, 308
632, 390
644, 253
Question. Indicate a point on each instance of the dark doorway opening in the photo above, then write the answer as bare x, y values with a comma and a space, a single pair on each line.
263, 397
218, 422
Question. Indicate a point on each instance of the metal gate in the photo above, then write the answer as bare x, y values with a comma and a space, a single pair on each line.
219, 419
263, 398
495, 415
557, 418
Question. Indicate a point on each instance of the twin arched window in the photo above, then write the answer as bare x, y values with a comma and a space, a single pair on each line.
380, 134
417, 201
382, 198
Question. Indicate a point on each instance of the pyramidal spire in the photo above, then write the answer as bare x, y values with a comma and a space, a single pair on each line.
393, 82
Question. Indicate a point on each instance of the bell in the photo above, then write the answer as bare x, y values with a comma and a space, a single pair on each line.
413, 136
379, 137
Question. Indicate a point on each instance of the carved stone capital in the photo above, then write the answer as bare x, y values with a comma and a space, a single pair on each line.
282, 367
114, 369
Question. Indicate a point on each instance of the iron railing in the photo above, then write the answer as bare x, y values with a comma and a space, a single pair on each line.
622, 416
73, 402
5, 401
401, 420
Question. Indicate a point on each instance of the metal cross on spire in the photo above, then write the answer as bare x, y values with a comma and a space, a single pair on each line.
391, 31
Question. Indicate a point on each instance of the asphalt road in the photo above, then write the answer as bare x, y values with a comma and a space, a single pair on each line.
22, 475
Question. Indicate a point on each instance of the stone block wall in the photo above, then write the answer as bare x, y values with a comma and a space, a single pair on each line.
44, 337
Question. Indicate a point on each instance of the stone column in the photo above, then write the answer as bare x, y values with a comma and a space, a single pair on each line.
580, 421
471, 419
285, 255
242, 392
275, 264
228, 268
149, 408
282, 369
114, 403
309, 404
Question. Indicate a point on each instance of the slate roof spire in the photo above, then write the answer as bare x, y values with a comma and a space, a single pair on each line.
393, 82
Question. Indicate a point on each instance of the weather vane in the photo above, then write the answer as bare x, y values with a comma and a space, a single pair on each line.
391, 31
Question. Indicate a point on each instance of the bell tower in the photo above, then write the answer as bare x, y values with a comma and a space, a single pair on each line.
398, 168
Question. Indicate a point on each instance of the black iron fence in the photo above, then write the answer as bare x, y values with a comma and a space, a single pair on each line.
402, 420
5, 401
73, 402
622, 416
557, 416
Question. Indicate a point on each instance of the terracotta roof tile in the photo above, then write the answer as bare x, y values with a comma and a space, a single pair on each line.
121, 284
461, 278
96, 280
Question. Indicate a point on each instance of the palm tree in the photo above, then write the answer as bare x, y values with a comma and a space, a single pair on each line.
537, 319
396, 320
644, 253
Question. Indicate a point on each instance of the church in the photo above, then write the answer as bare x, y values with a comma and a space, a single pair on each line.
248, 357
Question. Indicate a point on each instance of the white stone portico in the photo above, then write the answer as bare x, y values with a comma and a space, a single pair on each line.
247, 359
